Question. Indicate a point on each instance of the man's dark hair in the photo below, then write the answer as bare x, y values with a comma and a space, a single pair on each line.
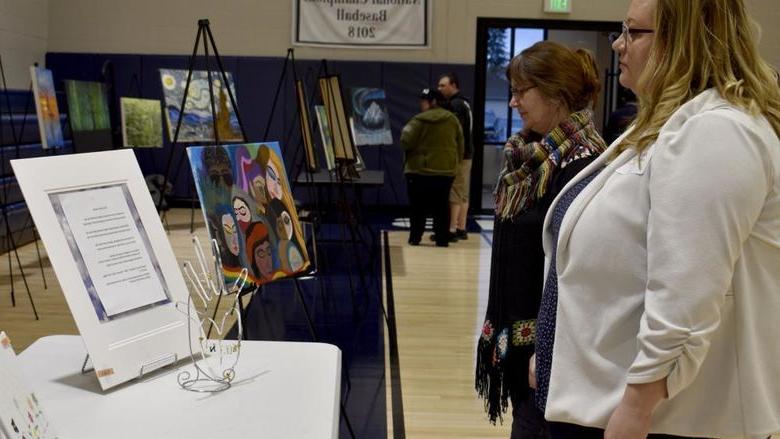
453, 78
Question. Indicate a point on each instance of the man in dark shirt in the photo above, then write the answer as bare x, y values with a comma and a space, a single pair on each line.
449, 86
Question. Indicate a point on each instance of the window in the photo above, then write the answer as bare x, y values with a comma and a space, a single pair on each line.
502, 45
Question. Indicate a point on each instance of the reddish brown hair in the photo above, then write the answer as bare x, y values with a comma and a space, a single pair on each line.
570, 76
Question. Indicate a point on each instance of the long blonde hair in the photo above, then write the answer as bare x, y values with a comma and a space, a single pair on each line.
701, 44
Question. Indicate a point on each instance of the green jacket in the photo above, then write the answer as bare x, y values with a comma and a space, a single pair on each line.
433, 143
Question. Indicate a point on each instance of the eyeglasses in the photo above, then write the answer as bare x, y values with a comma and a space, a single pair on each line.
628, 34
518, 93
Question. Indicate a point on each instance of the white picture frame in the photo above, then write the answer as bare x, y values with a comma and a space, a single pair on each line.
112, 258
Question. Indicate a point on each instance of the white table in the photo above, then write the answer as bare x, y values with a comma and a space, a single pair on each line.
282, 390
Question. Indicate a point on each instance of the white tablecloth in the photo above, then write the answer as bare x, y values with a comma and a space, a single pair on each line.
282, 390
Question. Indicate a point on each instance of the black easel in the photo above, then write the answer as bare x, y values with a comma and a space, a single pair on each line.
17, 143
289, 64
204, 32
289, 60
11, 242
346, 176
109, 79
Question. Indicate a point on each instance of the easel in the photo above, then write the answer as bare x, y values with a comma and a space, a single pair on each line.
11, 242
289, 60
289, 63
347, 174
204, 31
115, 120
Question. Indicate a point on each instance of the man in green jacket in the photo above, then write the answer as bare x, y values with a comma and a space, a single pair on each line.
433, 145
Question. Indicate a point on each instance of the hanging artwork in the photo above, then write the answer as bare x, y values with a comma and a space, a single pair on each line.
21, 415
248, 207
326, 136
46, 108
372, 121
305, 121
90, 120
198, 122
141, 123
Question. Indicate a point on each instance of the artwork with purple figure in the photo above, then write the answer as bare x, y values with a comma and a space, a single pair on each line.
198, 122
371, 119
248, 207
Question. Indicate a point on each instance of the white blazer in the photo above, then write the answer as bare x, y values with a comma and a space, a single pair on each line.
669, 266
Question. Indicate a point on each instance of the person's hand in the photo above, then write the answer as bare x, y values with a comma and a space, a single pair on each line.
632, 417
628, 422
532, 372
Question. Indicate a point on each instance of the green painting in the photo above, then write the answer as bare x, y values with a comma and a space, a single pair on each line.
87, 106
141, 123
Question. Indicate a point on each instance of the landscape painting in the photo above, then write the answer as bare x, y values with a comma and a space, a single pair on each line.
198, 121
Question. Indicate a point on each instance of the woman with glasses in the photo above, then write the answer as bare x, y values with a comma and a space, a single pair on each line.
553, 89
660, 304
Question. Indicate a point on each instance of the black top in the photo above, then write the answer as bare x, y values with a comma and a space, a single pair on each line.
462, 109
516, 281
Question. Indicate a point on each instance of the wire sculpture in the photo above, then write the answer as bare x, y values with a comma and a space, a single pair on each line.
215, 362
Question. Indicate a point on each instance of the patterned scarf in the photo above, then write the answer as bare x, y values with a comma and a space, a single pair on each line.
530, 165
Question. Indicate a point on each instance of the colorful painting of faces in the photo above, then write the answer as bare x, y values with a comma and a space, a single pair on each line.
46, 108
246, 200
198, 122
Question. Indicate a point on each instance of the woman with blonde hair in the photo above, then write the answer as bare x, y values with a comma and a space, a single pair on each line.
553, 89
660, 304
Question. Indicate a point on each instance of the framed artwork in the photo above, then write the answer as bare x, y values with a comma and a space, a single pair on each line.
305, 121
359, 164
245, 196
112, 258
198, 122
46, 108
371, 119
88, 114
141, 123
326, 136
343, 146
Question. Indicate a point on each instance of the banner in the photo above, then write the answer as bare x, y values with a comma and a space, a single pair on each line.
397, 24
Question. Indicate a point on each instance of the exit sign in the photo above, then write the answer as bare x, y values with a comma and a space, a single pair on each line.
557, 6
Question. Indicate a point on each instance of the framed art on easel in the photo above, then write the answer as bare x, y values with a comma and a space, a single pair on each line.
112, 258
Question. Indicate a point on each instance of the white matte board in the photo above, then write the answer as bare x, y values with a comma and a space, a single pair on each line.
112, 258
